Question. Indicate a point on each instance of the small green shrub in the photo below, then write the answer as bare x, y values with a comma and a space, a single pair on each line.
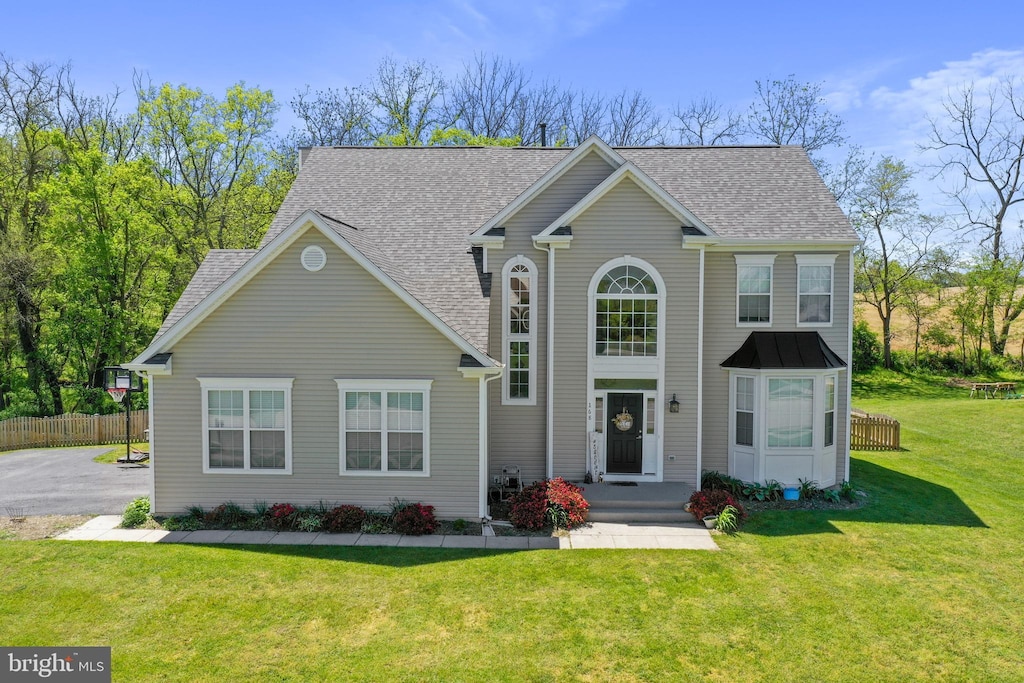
867, 350
848, 492
310, 522
136, 513
768, 491
376, 523
415, 519
809, 490
459, 525
831, 495
344, 519
710, 479
182, 523
728, 519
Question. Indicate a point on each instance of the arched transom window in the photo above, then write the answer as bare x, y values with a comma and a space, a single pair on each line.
627, 313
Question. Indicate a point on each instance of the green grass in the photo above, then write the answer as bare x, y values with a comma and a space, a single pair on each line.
111, 456
922, 584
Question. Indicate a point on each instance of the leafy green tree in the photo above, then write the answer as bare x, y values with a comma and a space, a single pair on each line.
110, 257
896, 242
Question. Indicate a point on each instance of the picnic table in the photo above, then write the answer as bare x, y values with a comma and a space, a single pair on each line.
992, 389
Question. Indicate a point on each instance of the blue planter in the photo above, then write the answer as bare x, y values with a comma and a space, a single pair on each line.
791, 494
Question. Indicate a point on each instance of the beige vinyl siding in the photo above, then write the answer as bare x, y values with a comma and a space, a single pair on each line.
722, 337
517, 432
626, 221
339, 322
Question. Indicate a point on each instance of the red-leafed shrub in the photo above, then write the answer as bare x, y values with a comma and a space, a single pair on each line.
344, 518
282, 515
709, 503
555, 502
415, 519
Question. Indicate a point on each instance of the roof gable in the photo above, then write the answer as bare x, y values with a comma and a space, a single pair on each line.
270, 251
592, 145
629, 171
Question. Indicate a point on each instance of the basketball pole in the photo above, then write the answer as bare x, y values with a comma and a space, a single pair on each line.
128, 425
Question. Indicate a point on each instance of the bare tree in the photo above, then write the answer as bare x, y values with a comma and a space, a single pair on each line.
790, 113
980, 144
541, 104
484, 98
706, 122
332, 117
583, 114
405, 100
633, 120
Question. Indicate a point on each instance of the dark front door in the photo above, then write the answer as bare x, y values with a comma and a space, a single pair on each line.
625, 430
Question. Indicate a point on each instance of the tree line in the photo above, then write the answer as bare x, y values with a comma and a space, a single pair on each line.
106, 214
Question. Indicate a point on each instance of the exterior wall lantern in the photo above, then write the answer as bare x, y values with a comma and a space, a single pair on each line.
673, 405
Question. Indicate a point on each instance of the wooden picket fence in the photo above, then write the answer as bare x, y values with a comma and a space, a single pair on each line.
873, 432
70, 430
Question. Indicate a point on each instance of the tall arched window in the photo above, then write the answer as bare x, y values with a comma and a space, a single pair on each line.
626, 319
519, 277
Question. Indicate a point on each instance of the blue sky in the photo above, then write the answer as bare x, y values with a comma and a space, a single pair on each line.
885, 65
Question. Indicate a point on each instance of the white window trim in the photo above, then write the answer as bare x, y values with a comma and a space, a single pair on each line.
383, 386
756, 260
734, 410
506, 331
630, 366
207, 384
829, 260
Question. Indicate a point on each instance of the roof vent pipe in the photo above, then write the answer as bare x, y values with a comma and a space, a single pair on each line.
543, 134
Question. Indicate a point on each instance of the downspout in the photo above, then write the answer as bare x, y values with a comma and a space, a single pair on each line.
152, 451
551, 363
849, 371
700, 365
484, 446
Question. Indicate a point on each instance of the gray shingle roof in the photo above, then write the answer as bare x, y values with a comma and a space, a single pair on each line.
411, 210
217, 267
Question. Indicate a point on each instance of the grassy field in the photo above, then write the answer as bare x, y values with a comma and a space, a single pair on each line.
922, 584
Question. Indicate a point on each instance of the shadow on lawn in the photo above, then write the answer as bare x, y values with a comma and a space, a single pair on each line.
384, 556
893, 498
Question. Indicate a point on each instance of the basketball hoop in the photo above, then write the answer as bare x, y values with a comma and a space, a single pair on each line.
117, 394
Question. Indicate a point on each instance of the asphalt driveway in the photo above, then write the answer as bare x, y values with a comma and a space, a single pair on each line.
65, 481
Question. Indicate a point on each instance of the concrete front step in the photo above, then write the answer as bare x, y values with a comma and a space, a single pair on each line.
637, 504
640, 514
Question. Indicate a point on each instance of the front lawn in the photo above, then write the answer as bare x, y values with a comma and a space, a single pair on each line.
921, 584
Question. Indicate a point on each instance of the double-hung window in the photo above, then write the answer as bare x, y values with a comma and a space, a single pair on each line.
519, 334
815, 276
744, 435
385, 427
754, 289
246, 425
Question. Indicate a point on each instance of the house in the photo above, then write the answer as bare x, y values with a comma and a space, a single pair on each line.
416, 318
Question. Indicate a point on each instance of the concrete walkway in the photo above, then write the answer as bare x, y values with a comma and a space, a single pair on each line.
597, 535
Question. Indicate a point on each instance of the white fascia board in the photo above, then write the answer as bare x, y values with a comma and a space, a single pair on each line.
735, 244
593, 143
150, 370
266, 255
629, 171
553, 241
471, 373
487, 241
